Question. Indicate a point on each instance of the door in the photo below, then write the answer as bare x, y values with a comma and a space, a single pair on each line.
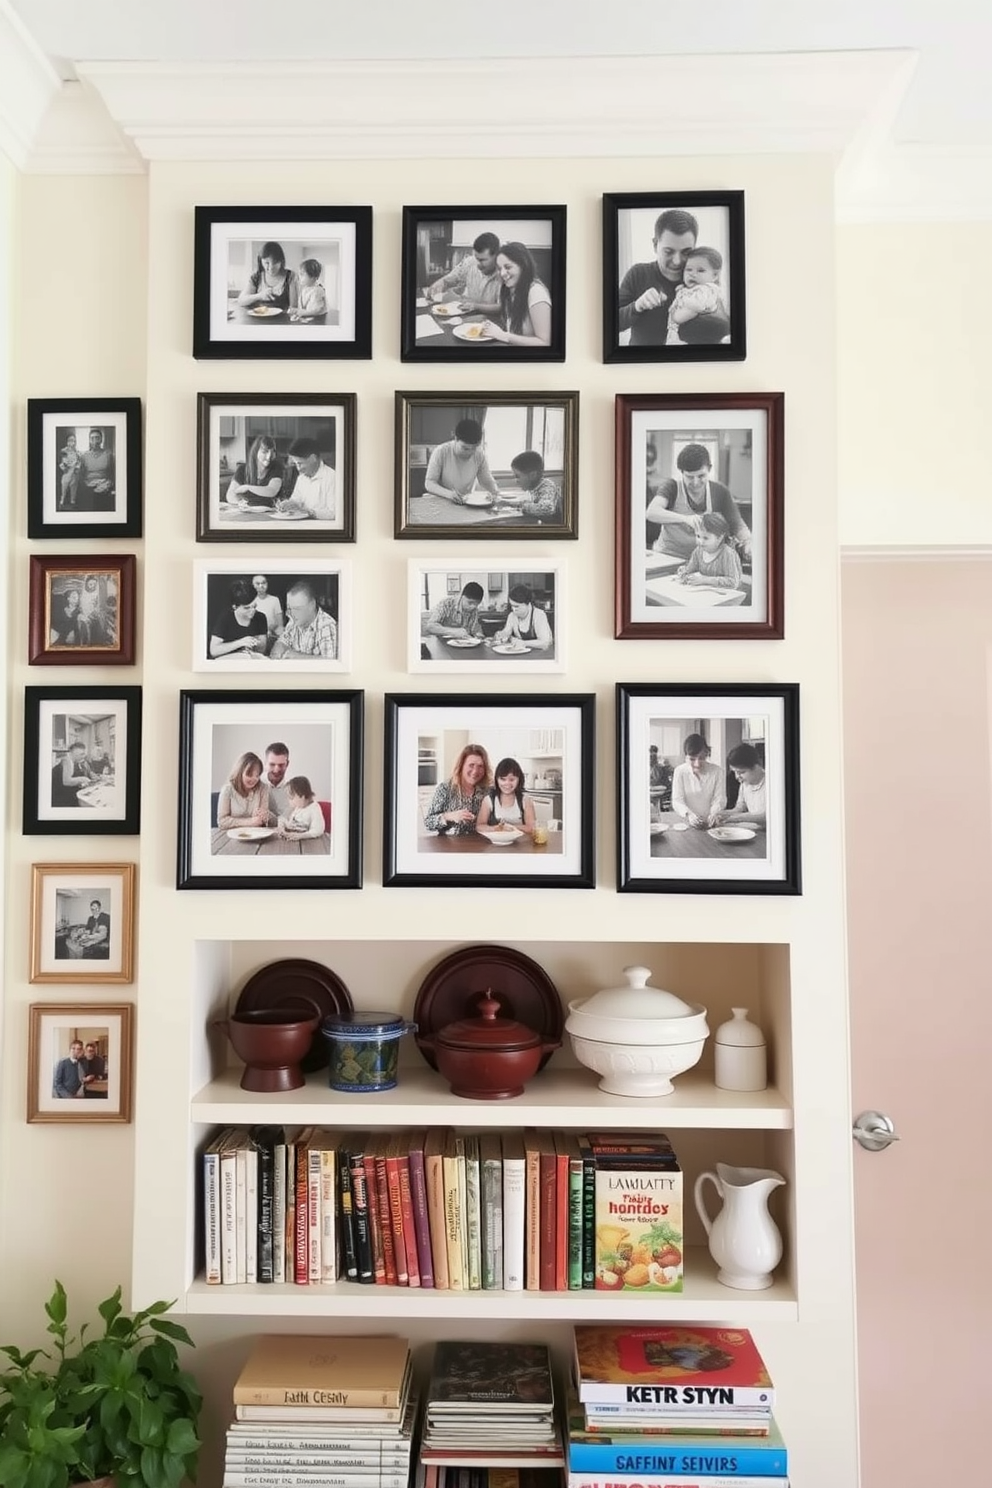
918, 814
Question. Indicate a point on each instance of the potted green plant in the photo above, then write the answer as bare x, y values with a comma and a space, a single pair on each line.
115, 1406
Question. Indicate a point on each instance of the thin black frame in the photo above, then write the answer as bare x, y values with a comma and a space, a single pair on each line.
189, 699
478, 352
585, 703
613, 204
292, 532
568, 527
785, 692
38, 410
772, 628
206, 348
129, 825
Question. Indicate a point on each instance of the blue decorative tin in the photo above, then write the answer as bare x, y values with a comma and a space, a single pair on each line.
364, 1050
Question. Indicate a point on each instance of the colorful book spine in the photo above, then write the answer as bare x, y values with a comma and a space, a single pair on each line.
289, 1236
548, 1212
407, 1223
532, 1210
576, 1215
588, 1212
301, 1229
705, 1456
454, 1189
561, 1211
349, 1258
473, 1213
514, 1211
692, 1479
389, 1257
314, 1184
330, 1246
421, 1215
395, 1211
491, 1205
434, 1183
375, 1215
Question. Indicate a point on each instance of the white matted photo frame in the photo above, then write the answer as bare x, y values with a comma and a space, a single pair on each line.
282, 617
699, 516
82, 922
708, 788
282, 282
275, 467
468, 616
489, 790
80, 1062
84, 467
270, 790
82, 761
673, 277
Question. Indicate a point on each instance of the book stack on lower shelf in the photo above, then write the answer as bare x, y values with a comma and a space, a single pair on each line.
490, 1405
669, 1407
322, 1412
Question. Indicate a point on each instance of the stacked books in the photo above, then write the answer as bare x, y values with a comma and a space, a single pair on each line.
663, 1407
491, 1405
536, 1210
323, 1412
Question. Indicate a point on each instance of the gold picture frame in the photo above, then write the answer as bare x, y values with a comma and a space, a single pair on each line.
82, 922
80, 1062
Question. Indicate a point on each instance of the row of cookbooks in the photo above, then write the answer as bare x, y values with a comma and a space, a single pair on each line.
530, 1209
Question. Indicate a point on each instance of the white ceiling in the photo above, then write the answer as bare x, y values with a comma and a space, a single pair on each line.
936, 122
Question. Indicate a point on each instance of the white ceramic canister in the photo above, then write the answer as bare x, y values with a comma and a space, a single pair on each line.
741, 1055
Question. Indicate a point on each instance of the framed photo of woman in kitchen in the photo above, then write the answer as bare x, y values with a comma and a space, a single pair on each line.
492, 791
709, 788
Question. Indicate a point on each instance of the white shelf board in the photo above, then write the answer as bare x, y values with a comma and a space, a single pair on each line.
559, 1097
704, 1300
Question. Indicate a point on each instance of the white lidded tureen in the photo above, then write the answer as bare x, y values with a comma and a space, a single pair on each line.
636, 1037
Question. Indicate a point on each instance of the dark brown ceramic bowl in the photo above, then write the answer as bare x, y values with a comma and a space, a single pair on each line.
271, 1041
489, 1057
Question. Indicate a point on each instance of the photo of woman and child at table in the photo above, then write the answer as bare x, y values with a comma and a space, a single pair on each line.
708, 806
479, 805
87, 474
491, 286
259, 805
485, 465
280, 467
292, 282
697, 533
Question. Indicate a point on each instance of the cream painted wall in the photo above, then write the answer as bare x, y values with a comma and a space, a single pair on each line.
914, 377
91, 1257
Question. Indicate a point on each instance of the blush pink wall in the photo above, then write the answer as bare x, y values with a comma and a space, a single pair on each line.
917, 645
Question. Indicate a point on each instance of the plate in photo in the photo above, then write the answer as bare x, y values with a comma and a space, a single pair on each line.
500, 836
249, 834
472, 332
731, 834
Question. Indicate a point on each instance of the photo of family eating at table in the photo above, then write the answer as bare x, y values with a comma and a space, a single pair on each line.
271, 797
286, 615
83, 774
486, 285
494, 466
282, 468
464, 617
674, 272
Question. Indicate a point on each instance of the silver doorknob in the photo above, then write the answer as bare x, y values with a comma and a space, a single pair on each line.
874, 1131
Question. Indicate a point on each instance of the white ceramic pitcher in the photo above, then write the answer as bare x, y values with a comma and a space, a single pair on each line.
744, 1240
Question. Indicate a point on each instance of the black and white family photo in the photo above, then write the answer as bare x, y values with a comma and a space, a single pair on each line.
81, 613
80, 1062
468, 618
488, 285
674, 277
503, 465
86, 742
288, 283
284, 468
709, 788
287, 615
84, 467
82, 922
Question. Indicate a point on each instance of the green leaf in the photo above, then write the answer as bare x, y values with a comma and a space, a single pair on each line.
110, 1307
182, 1438
57, 1306
173, 1330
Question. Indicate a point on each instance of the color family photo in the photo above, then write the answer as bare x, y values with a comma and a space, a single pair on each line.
288, 616
82, 922
270, 790
709, 788
489, 791
80, 1062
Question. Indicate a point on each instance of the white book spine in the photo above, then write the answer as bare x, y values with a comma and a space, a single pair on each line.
513, 1223
279, 1213
314, 1227
251, 1214
318, 1478
211, 1218
229, 1218
257, 1461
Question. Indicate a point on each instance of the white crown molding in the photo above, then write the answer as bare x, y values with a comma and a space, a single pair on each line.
521, 107
28, 84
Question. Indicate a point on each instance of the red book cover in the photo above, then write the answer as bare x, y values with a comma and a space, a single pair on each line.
561, 1212
421, 1215
396, 1210
549, 1208
301, 1236
399, 1150
385, 1218
375, 1221
670, 1366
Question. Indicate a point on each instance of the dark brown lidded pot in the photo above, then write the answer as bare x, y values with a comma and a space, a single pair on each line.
489, 1057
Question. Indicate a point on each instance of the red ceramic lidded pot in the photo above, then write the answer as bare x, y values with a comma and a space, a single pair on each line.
489, 1057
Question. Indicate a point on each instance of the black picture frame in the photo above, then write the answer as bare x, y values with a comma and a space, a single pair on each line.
432, 232
228, 426
630, 221
663, 846
733, 448
544, 423
68, 501
106, 721
551, 738
322, 732
227, 249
